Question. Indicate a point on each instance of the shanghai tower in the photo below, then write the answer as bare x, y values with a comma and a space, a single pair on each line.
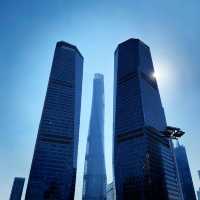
53, 169
94, 183
143, 160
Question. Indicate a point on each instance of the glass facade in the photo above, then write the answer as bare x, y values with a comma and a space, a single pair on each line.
198, 191
144, 165
110, 191
184, 173
198, 194
17, 189
94, 183
53, 170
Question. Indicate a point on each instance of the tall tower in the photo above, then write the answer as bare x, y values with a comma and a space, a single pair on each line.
110, 191
53, 170
17, 188
144, 165
184, 173
198, 191
94, 184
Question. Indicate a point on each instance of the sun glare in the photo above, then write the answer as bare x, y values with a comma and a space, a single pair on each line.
156, 75
163, 75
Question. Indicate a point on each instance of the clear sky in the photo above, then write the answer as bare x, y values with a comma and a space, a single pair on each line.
29, 31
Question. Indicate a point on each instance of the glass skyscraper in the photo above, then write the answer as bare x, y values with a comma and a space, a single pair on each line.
94, 183
143, 161
53, 170
198, 194
184, 173
198, 191
17, 188
110, 192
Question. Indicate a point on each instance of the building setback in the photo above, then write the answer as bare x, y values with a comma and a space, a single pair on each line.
94, 183
143, 160
53, 169
17, 188
184, 173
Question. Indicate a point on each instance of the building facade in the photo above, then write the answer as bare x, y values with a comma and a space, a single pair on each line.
198, 191
17, 188
94, 183
184, 173
198, 194
53, 170
144, 165
110, 191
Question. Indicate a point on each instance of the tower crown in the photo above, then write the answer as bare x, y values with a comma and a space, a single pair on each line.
98, 76
65, 45
131, 41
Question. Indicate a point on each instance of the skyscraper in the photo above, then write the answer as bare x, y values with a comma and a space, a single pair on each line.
94, 184
198, 194
184, 173
144, 165
110, 191
53, 170
17, 188
198, 191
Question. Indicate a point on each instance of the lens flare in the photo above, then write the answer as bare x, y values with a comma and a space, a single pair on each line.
155, 75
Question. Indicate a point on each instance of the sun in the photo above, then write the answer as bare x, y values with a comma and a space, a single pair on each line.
156, 75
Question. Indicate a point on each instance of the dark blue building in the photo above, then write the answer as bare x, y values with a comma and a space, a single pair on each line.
144, 165
94, 183
17, 188
53, 170
184, 173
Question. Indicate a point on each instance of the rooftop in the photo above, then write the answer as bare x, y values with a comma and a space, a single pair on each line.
131, 41
65, 44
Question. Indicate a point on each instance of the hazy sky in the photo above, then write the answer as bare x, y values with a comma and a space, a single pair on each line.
29, 31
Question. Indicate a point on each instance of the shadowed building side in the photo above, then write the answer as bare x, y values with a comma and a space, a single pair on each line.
94, 183
17, 188
144, 166
53, 169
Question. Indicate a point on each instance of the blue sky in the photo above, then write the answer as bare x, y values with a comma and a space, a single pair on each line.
29, 31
